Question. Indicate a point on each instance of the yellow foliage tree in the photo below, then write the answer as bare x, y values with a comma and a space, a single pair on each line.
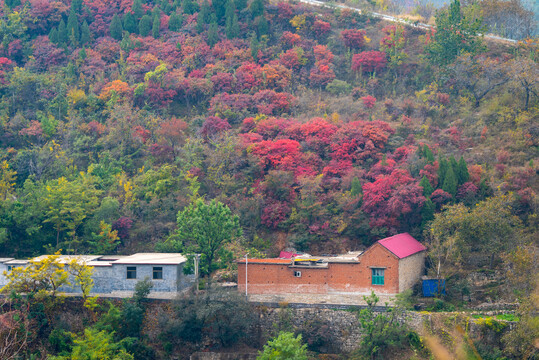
42, 276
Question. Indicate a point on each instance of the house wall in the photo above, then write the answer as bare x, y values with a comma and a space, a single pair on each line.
114, 278
378, 256
279, 278
336, 278
410, 270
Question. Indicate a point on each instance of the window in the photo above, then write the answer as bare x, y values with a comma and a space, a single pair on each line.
131, 272
9, 268
157, 273
297, 273
377, 276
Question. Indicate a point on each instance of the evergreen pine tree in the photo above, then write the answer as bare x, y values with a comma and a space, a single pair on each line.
229, 16
138, 12
463, 174
442, 169
82, 53
76, 5
53, 36
85, 35
126, 44
116, 28
241, 5
254, 47
450, 181
204, 16
145, 25
156, 26
427, 187
427, 212
72, 27
454, 164
130, 23
355, 187
257, 8
262, 26
189, 7
213, 32
428, 154
220, 9
62, 33
175, 22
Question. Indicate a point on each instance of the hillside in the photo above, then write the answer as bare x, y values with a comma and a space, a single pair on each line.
322, 129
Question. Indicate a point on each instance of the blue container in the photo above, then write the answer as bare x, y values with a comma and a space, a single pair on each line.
433, 287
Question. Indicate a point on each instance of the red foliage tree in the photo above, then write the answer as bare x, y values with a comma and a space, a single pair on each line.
290, 39
321, 28
353, 38
214, 126
369, 61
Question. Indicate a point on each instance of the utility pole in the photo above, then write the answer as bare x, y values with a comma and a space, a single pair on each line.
246, 262
196, 258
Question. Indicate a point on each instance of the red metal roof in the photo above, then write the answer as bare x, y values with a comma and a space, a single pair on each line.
287, 255
402, 245
266, 261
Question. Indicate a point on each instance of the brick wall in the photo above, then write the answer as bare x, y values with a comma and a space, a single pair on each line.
351, 277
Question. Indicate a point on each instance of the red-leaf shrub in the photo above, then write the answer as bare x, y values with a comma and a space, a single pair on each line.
368, 101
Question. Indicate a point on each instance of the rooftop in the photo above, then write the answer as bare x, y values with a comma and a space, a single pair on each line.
109, 260
402, 245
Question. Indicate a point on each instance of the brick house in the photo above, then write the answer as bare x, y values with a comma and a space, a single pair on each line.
389, 266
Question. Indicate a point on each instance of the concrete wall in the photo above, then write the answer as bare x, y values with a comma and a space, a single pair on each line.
410, 270
114, 278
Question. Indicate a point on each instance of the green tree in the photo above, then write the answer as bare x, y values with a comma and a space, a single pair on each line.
284, 347
62, 33
232, 29
68, 203
355, 187
189, 7
85, 35
213, 32
456, 33
462, 171
7, 180
76, 5
450, 183
442, 169
383, 331
206, 228
427, 213
96, 345
175, 22
156, 26
53, 35
204, 16
257, 8
427, 187
428, 154
129, 23
116, 28
145, 25
220, 8
72, 27
137, 10
262, 26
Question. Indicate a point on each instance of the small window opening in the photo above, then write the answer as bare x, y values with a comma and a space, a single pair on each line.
131, 272
157, 273
297, 273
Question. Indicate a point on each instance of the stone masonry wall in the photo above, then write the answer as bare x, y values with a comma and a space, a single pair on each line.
410, 270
